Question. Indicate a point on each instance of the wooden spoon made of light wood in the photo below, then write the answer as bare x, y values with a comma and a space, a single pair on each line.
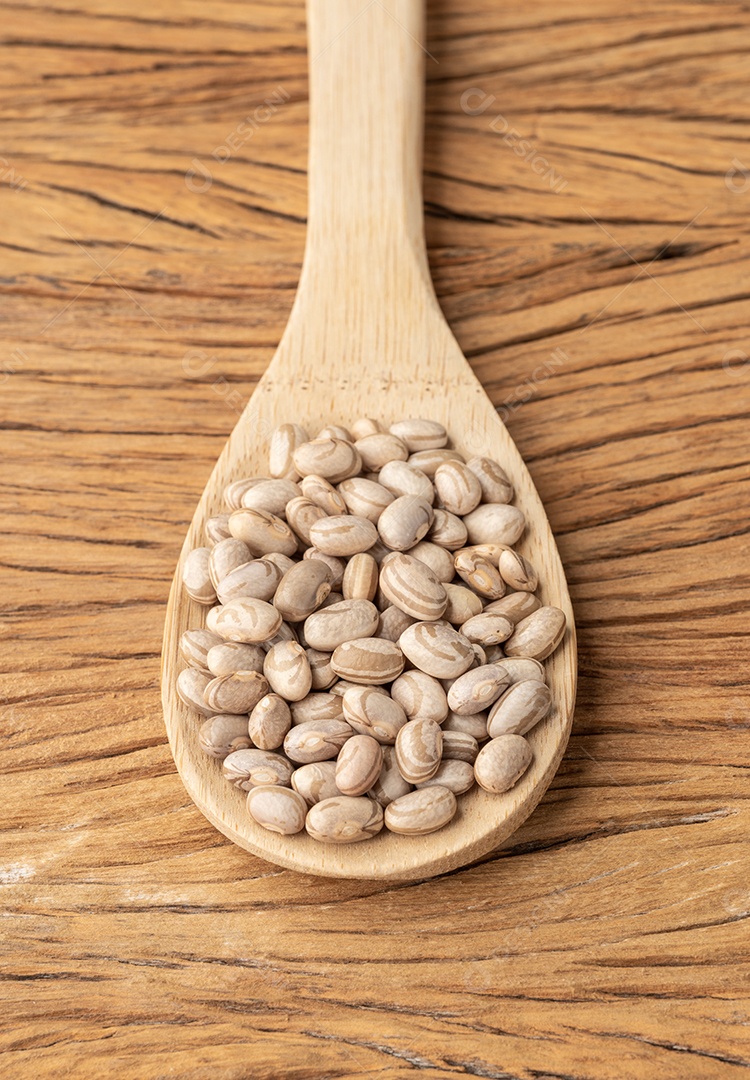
366, 337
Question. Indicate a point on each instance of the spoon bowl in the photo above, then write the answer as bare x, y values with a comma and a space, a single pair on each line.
366, 337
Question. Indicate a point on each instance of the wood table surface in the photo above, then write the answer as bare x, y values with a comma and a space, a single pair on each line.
587, 190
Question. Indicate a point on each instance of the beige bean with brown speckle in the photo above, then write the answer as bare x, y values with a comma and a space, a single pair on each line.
196, 576
369, 660
475, 690
454, 774
420, 696
462, 604
303, 589
233, 492
316, 781
236, 693
301, 515
371, 713
281, 562
344, 819
216, 528
247, 619
487, 629
480, 656
405, 521
403, 479
412, 586
323, 494
341, 622
334, 431
365, 425
284, 633
538, 635
422, 811
447, 530
278, 809
494, 523
358, 765
515, 606
419, 434
226, 556
517, 571
496, 487
262, 532
520, 708
365, 498
459, 746
437, 649
502, 762
258, 579
271, 496
336, 566
360, 577
322, 673
490, 552
317, 706
211, 616
494, 654
429, 461
229, 656
333, 459
191, 684
316, 740
379, 551
376, 450
195, 646
224, 733
478, 572
269, 722
457, 488
252, 768
419, 747
343, 534
284, 441
288, 672
439, 560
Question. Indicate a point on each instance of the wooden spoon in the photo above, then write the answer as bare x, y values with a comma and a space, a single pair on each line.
366, 337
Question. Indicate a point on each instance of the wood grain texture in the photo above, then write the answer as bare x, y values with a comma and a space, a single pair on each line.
609, 938
366, 337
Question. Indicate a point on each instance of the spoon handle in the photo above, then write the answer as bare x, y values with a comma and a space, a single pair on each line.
366, 62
